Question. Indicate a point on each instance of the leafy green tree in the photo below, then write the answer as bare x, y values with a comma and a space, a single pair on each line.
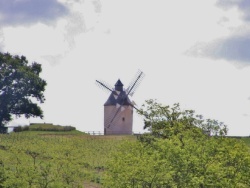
182, 150
20, 88
165, 121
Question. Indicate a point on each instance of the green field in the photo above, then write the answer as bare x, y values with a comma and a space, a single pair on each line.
246, 140
49, 159
57, 159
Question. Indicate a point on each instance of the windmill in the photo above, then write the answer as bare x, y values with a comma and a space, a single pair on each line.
118, 109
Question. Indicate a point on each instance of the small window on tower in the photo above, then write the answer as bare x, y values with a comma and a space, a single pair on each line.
123, 119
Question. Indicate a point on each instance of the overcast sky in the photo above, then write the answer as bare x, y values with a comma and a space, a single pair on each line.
194, 52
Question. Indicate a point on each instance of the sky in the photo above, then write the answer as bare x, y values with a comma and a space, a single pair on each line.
193, 52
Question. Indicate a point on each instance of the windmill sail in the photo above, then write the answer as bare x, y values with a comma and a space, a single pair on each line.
135, 82
119, 102
118, 109
106, 87
131, 89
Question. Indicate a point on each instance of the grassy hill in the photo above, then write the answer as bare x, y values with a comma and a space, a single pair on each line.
59, 158
55, 158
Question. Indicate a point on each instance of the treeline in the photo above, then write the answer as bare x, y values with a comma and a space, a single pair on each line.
43, 127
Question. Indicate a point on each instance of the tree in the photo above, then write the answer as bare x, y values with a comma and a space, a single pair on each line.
182, 150
165, 121
20, 88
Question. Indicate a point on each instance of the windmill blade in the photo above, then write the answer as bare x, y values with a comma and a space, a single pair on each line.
135, 107
119, 108
117, 112
130, 107
118, 105
131, 94
135, 83
133, 103
127, 90
114, 114
115, 96
103, 85
122, 108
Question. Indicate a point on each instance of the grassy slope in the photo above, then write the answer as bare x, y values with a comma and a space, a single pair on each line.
88, 152
93, 150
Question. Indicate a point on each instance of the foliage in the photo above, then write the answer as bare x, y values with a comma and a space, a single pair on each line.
20, 88
246, 140
215, 162
33, 160
44, 127
165, 121
179, 153
70, 159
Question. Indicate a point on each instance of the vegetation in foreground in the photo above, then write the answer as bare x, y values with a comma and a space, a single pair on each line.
246, 140
182, 150
31, 159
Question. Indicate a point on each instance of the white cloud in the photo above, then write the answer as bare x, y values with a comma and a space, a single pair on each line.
234, 49
234, 44
241, 5
26, 12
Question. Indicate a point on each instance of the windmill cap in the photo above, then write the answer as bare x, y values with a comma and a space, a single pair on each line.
118, 83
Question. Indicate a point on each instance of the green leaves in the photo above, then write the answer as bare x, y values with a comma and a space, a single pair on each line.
182, 150
164, 121
211, 162
20, 86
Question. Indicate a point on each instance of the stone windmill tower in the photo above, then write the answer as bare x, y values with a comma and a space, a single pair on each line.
118, 109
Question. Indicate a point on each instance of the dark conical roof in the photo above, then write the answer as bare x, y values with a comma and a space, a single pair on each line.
118, 96
118, 83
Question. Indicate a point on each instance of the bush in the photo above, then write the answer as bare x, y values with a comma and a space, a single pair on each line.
21, 128
43, 127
